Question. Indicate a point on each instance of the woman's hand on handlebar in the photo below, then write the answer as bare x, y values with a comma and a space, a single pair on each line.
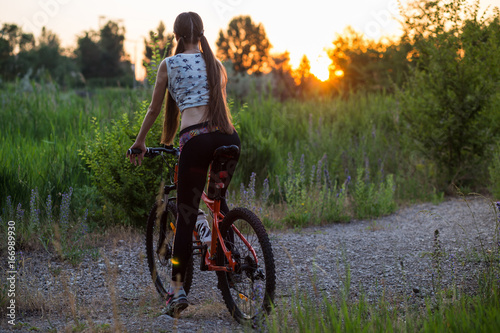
134, 158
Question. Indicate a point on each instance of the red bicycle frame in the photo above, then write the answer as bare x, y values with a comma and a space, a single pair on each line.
214, 206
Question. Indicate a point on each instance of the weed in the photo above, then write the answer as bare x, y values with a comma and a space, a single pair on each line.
371, 200
437, 255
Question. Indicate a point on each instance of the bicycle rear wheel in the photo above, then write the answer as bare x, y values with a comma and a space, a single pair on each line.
248, 291
159, 247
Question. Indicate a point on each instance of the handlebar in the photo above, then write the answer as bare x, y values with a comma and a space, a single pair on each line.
152, 152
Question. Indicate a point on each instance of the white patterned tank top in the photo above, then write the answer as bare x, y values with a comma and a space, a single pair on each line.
187, 80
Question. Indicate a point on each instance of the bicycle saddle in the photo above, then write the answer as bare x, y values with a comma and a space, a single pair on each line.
225, 158
226, 153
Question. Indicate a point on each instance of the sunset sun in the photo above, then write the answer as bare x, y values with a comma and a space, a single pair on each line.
319, 67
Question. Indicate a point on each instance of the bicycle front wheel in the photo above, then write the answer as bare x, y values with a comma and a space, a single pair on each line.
159, 247
248, 291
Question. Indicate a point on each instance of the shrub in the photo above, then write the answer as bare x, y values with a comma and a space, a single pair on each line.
128, 191
447, 101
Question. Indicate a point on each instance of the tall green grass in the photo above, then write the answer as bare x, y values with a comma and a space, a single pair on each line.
329, 140
41, 131
330, 159
348, 133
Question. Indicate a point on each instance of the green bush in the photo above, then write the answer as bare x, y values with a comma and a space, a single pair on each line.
447, 101
128, 191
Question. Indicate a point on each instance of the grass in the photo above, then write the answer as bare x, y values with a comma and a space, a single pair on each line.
344, 133
288, 145
340, 314
41, 132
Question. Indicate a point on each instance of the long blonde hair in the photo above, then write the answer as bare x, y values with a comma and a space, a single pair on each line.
189, 27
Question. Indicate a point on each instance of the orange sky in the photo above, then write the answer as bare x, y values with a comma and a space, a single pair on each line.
300, 27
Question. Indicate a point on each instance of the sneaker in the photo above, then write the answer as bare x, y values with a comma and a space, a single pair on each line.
176, 303
203, 229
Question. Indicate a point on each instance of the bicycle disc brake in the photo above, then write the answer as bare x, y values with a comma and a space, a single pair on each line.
252, 271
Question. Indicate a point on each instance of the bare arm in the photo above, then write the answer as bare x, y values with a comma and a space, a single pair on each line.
153, 112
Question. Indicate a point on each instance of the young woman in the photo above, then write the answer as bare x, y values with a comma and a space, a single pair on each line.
196, 83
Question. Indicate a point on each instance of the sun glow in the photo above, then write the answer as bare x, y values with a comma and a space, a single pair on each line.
320, 67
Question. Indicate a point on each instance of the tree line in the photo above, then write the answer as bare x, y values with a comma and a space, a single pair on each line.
99, 57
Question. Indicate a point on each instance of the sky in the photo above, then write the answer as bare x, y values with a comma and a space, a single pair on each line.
300, 27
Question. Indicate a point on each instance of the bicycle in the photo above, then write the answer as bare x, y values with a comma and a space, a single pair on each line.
240, 251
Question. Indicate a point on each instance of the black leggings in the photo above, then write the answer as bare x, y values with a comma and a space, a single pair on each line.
194, 162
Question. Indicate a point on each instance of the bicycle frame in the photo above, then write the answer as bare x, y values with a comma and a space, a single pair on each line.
214, 206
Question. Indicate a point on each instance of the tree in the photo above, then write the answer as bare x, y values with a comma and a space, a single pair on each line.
448, 103
245, 44
303, 76
284, 84
357, 58
49, 39
164, 42
42, 59
12, 34
6, 50
303, 71
22, 55
101, 56
89, 55
48, 51
367, 64
13, 41
4, 55
111, 41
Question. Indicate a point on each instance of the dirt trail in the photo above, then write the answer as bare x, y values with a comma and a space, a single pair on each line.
393, 255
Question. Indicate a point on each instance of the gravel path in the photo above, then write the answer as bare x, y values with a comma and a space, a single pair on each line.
394, 255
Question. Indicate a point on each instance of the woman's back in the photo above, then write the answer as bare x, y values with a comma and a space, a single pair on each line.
187, 80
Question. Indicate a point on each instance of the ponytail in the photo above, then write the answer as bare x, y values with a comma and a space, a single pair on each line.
189, 27
219, 114
172, 114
